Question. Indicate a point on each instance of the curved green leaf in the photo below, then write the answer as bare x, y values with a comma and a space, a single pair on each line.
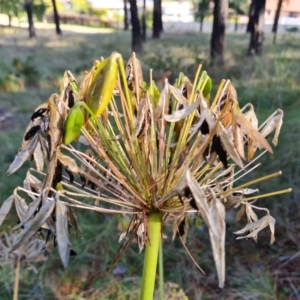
207, 88
205, 85
73, 124
154, 93
179, 80
99, 84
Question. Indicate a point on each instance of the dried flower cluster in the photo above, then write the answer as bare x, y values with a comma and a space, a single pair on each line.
172, 151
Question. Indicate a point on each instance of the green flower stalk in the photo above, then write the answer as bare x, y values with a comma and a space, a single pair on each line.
156, 156
151, 255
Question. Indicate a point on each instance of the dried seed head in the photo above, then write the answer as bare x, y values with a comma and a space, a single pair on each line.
167, 151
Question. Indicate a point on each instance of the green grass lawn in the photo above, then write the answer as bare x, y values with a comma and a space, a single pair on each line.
30, 70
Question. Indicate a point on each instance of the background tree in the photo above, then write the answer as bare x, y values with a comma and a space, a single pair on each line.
28, 9
126, 19
203, 11
218, 33
256, 26
276, 19
10, 8
56, 17
160, 19
239, 8
144, 26
135, 30
157, 19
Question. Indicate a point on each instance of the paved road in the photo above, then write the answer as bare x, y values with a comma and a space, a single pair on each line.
179, 27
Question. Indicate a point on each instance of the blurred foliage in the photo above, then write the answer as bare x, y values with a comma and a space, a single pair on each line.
19, 74
80, 6
39, 9
240, 7
26, 69
100, 12
16, 8
292, 29
11, 7
204, 9
11, 83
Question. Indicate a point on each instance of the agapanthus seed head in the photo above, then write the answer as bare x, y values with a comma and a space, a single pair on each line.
171, 151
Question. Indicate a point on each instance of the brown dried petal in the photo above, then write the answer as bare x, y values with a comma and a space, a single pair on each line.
275, 122
229, 146
68, 162
5, 208
62, 232
23, 155
249, 129
32, 226
214, 218
21, 206
38, 157
256, 227
141, 112
55, 132
238, 139
182, 113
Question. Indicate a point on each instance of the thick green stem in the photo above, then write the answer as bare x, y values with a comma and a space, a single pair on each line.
151, 255
161, 272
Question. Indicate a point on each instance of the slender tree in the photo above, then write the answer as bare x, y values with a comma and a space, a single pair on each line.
276, 19
11, 8
161, 26
239, 8
157, 19
218, 33
136, 30
56, 17
144, 16
28, 8
9, 19
256, 26
126, 19
203, 11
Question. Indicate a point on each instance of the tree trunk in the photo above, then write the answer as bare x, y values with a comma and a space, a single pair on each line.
56, 17
201, 22
256, 26
276, 19
218, 33
28, 8
144, 29
160, 17
250, 18
9, 19
236, 23
136, 31
126, 20
157, 19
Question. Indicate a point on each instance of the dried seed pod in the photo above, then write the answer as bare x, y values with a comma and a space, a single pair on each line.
134, 76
